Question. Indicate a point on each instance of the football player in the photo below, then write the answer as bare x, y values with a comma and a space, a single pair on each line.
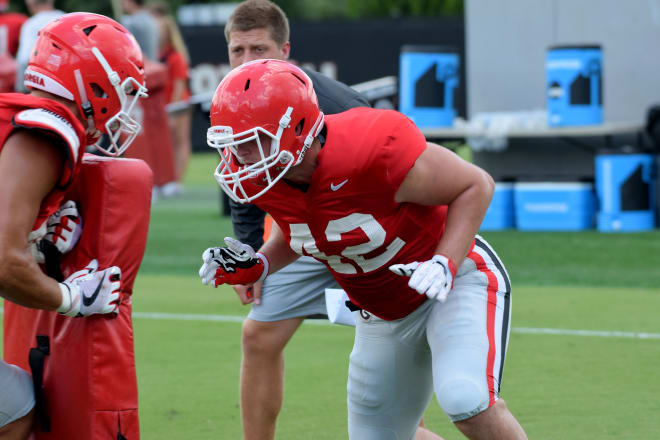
85, 75
259, 29
10, 28
394, 218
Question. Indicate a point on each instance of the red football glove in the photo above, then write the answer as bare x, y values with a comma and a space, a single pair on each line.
237, 263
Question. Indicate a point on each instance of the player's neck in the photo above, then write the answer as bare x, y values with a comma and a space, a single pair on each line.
301, 174
71, 105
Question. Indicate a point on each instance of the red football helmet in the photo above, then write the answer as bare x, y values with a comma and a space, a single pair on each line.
268, 97
94, 61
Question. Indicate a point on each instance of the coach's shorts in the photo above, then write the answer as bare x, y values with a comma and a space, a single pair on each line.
16, 393
296, 291
455, 348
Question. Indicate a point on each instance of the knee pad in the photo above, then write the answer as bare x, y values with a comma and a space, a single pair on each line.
461, 398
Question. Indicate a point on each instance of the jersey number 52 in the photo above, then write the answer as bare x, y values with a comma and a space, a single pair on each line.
302, 239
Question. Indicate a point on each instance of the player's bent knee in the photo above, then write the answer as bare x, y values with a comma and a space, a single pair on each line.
258, 340
462, 398
253, 338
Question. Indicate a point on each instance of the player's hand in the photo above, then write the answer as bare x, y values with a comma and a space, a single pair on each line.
237, 263
64, 227
250, 293
90, 291
434, 278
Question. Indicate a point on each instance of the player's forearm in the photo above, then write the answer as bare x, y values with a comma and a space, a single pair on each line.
464, 217
277, 250
22, 282
278, 257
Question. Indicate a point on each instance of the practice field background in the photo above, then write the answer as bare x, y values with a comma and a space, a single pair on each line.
583, 357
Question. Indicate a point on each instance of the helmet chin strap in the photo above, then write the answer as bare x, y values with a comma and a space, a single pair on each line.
285, 120
88, 112
86, 107
113, 76
313, 132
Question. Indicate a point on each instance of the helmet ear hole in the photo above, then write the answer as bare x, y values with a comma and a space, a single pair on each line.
98, 91
300, 126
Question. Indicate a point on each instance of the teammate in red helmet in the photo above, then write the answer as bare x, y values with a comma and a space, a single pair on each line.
85, 76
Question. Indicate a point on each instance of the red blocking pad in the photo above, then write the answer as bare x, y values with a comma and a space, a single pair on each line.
89, 377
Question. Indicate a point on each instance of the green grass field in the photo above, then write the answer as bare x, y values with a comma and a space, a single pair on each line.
561, 385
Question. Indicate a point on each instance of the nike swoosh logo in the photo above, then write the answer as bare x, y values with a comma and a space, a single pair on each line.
89, 300
336, 187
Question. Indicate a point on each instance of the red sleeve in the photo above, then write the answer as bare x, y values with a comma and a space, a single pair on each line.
399, 145
178, 66
11, 22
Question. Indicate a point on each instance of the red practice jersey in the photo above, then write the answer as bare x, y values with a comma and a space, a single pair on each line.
177, 69
10, 29
348, 219
19, 111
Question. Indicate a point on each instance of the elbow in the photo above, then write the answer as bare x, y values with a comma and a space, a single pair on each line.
487, 185
11, 263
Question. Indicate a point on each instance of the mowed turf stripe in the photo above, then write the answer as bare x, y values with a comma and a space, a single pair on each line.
524, 330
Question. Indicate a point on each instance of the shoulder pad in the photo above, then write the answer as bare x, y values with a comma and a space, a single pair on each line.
48, 120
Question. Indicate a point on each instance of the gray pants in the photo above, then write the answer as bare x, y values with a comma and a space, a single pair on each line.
296, 291
16, 393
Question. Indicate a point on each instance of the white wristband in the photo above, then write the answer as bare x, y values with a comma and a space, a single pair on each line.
67, 306
264, 260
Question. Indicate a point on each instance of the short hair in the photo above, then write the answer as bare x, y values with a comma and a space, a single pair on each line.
257, 14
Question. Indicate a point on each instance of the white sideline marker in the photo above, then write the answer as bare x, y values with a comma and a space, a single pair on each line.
525, 330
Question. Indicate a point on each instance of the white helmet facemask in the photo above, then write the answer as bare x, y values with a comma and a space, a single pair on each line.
121, 128
271, 166
273, 163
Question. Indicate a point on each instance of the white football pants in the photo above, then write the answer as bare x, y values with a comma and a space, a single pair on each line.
456, 348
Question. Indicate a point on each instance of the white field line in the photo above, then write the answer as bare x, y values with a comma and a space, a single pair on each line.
525, 330
597, 333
